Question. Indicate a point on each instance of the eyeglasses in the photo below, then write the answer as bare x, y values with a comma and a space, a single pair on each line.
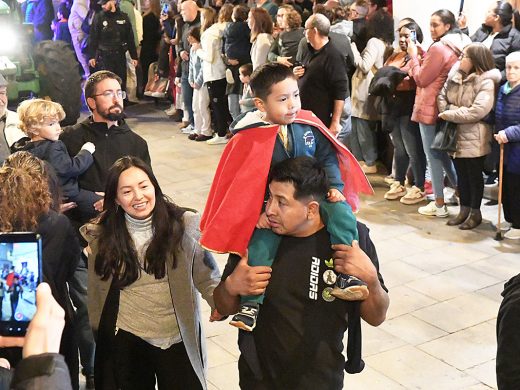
112, 94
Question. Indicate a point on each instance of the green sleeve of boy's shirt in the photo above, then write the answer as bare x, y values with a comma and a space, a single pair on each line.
128, 9
340, 222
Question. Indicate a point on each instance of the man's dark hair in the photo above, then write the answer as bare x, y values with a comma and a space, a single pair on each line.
306, 175
266, 75
95, 78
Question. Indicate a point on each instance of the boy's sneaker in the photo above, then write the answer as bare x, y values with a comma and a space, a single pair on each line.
413, 195
170, 110
350, 288
396, 191
432, 210
245, 319
193, 136
187, 130
216, 140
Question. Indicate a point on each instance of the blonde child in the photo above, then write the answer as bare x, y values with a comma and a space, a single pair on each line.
40, 121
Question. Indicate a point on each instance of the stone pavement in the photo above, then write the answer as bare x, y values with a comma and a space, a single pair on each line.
444, 283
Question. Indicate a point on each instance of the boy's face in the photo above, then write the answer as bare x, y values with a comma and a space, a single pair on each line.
50, 129
244, 79
283, 102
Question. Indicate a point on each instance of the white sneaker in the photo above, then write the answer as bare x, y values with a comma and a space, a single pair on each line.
450, 196
396, 191
187, 130
413, 195
216, 140
369, 169
389, 180
432, 210
147, 93
513, 234
170, 110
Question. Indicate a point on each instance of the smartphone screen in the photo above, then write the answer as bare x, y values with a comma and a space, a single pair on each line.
413, 36
20, 274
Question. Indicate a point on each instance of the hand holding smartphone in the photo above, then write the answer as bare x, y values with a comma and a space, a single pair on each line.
20, 274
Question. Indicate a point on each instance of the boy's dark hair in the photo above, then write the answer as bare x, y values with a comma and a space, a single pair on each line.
195, 33
240, 11
246, 69
64, 10
95, 78
266, 75
306, 174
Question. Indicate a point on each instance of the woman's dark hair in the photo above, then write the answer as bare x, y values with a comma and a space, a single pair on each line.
117, 254
504, 11
64, 10
414, 26
447, 17
381, 26
480, 56
195, 33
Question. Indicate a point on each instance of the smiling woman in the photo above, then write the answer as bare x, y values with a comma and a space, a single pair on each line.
145, 268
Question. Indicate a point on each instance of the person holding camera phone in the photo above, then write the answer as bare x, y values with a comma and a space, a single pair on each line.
24, 176
408, 150
42, 367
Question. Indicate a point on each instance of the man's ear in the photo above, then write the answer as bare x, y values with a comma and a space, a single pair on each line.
91, 103
313, 210
259, 103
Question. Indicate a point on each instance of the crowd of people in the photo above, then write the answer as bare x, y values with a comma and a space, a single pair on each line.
318, 86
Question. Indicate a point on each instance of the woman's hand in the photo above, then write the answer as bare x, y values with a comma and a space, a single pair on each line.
501, 137
412, 48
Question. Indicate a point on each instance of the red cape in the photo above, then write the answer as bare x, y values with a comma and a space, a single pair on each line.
237, 192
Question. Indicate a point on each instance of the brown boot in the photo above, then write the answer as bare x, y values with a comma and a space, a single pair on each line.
474, 219
463, 215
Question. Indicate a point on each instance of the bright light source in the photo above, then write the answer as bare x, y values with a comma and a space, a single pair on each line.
9, 39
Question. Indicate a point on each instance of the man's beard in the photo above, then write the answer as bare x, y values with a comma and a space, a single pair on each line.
113, 116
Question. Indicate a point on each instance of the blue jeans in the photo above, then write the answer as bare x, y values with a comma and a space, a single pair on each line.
345, 121
439, 162
408, 150
187, 97
363, 140
234, 107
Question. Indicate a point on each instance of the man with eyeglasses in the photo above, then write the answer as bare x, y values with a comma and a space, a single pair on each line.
9, 131
107, 129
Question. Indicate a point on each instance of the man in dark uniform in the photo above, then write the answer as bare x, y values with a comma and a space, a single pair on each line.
111, 36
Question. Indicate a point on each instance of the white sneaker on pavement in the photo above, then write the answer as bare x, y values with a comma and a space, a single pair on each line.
187, 130
396, 191
216, 140
413, 195
432, 210
513, 234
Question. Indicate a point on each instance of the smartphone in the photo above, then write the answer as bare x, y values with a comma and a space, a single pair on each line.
21, 272
165, 9
298, 63
413, 36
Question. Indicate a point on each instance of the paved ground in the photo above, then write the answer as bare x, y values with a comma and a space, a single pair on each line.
444, 284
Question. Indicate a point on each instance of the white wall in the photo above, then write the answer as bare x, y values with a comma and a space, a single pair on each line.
421, 10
